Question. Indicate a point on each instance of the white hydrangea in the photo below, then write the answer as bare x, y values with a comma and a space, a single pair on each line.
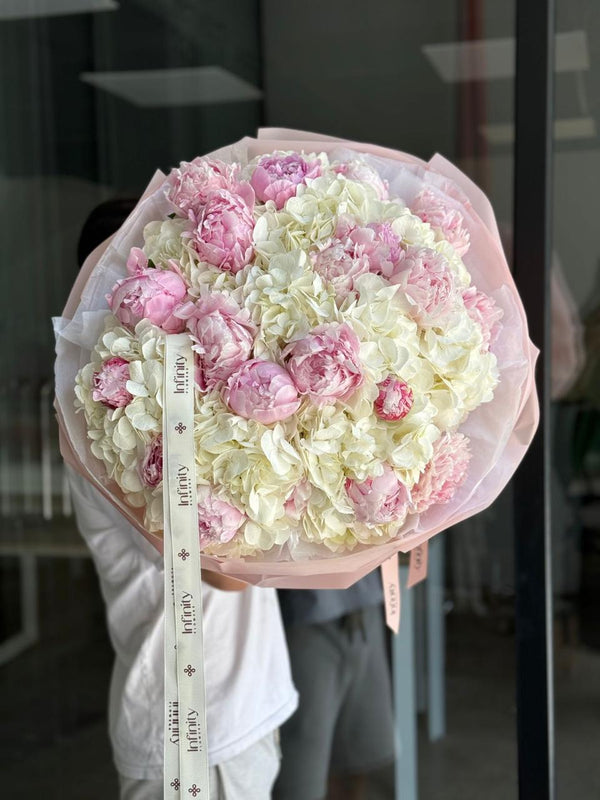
389, 338
410, 228
119, 436
257, 465
286, 301
408, 443
323, 523
311, 216
163, 240
334, 443
465, 377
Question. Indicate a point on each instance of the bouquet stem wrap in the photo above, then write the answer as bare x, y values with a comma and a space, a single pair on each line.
239, 228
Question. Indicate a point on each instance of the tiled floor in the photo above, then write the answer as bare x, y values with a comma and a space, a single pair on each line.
53, 741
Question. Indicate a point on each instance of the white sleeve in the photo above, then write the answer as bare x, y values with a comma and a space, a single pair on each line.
131, 572
129, 568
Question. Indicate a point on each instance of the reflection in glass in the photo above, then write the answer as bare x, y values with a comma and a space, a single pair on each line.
575, 470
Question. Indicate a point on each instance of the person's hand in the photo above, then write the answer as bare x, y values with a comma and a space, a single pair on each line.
223, 582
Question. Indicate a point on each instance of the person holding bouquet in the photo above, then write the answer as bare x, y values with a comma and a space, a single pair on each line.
343, 728
249, 691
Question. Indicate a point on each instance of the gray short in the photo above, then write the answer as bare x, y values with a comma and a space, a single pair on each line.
344, 723
247, 776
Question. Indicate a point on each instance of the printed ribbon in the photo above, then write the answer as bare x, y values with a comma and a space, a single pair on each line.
185, 749
391, 591
390, 578
417, 570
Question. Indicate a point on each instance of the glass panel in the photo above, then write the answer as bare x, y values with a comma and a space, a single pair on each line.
436, 78
576, 402
94, 96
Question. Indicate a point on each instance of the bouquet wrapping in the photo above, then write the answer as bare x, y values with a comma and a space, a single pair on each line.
363, 372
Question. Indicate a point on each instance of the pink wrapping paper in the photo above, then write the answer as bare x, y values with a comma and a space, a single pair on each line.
500, 431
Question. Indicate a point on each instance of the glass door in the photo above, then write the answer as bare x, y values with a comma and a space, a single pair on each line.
575, 410
95, 95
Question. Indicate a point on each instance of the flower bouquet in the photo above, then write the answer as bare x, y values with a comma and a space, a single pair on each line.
363, 373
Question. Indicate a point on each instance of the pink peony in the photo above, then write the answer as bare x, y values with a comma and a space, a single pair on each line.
277, 177
152, 466
137, 261
376, 242
427, 283
484, 311
395, 399
449, 222
151, 294
191, 184
385, 252
223, 229
357, 170
379, 500
340, 263
445, 472
110, 383
325, 364
223, 336
218, 521
261, 390
297, 502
